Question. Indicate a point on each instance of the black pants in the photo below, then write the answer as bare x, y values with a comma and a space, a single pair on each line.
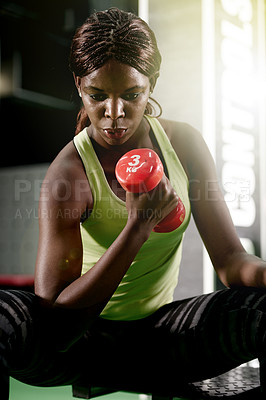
184, 341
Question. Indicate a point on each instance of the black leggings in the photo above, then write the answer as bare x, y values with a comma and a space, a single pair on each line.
184, 341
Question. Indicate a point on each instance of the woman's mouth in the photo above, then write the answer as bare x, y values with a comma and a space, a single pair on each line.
116, 133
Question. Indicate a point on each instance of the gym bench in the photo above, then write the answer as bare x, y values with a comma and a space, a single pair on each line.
240, 383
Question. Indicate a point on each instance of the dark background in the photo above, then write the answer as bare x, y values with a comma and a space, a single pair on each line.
39, 106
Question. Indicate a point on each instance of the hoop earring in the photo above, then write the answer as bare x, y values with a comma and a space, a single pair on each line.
151, 110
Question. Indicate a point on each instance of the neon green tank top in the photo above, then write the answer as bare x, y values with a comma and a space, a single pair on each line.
153, 275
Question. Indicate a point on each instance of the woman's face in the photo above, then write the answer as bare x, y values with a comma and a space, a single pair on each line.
115, 97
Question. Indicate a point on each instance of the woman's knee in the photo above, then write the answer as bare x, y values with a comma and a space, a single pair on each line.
17, 313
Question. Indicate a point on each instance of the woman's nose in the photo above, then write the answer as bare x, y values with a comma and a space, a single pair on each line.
114, 109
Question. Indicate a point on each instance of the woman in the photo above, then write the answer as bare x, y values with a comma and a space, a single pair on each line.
104, 282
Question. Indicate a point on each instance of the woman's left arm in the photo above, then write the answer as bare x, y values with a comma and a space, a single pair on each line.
234, 266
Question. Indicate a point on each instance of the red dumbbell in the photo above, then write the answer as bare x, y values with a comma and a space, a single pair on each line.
140, 171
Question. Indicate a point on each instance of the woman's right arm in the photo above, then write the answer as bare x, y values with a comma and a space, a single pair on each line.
58, 278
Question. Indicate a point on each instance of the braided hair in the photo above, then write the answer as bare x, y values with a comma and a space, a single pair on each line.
119, 35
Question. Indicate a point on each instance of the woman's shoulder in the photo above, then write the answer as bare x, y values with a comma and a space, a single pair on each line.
66, 163
189, 146
178, 130
183, 138
66, 174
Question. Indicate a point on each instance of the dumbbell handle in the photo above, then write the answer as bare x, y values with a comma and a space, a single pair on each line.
140, 171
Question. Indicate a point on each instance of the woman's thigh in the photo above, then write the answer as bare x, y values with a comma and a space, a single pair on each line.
192, 339
30, 343
210, 334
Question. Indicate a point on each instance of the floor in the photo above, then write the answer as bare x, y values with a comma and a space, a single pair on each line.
20, 391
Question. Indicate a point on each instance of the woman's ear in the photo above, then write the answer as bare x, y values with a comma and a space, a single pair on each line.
153, 80
152, 83
77, 80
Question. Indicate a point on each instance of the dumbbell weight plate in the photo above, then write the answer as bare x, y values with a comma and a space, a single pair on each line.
173, 220
139, 170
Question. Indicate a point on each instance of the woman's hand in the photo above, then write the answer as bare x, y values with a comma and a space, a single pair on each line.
149, 208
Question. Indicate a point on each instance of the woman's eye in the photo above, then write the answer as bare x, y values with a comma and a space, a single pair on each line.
130, 96
102, 97
98, 97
